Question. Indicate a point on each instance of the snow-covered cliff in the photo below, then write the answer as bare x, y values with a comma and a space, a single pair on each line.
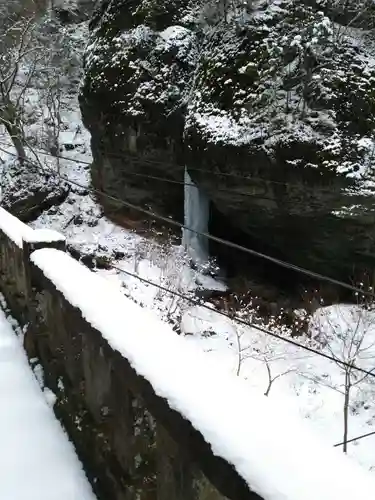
277, 91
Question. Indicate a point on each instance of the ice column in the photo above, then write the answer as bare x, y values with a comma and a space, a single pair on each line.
196, 215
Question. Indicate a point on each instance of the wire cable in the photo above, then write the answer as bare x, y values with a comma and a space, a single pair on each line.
222, 313
234, 192
142, 161
235, 318
197, 302
208, 172
354, 439
235, 246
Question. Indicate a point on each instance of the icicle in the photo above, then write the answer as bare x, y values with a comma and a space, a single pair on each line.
196, 213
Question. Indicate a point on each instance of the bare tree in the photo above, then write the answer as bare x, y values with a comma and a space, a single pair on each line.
173, 268
37, 59
272, 378
266, 356
20, 57
54, 121
344, 332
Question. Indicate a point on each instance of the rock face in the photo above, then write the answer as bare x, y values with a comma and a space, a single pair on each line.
270, 106
26, 191
73, 11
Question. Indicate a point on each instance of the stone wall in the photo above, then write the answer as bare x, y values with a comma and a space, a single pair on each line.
14, 261
12, 276
133, 445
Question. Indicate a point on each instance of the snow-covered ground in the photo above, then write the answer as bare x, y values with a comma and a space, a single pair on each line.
37, 461
268, 443
314, 386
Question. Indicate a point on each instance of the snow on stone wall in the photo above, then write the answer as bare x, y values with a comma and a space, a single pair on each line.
16, 241
276, 453
16, 230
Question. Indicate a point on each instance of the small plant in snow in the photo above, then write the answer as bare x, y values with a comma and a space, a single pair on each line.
347, 333
173, 266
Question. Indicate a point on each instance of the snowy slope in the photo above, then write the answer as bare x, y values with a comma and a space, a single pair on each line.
37, 461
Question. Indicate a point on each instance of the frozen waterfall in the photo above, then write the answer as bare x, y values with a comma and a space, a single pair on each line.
196, 215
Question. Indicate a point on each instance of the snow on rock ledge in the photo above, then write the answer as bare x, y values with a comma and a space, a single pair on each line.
44, 236
16, 230
271, 448
19, 232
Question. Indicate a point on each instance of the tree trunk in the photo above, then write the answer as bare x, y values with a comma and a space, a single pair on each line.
346, 410
15, 134
9, 117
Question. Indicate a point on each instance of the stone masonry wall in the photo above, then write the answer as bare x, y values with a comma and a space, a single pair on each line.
13, 277
133, 445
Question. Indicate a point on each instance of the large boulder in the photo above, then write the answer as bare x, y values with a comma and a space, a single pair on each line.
279, 95
133, 99
26, 191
